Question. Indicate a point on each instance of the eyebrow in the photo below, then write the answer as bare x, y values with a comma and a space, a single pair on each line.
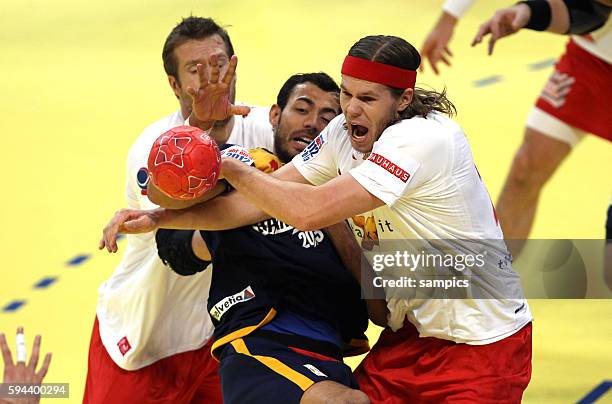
220, 57
311, 102
305, 99
366, 94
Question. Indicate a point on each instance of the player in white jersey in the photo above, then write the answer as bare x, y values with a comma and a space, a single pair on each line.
395, 159
151, 336
574, 101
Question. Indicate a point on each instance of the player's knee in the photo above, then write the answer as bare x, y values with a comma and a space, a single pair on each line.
536, 160
355, 397
522, 174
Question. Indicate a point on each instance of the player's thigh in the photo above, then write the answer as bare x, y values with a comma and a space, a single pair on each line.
256, 370
332, 392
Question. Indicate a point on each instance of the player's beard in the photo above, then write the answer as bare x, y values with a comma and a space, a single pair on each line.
280, 146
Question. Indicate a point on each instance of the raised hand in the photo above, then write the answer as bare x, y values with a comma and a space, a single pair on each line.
435, 48
128, 221
505, 22
20, 372
211, 100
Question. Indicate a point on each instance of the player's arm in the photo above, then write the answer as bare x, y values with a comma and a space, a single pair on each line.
184, 251
557, 16
344, 241
304, 206
160, 199
435, 48
226, 211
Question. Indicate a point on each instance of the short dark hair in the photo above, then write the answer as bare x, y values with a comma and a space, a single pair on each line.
395, 51
321, 80
191, 28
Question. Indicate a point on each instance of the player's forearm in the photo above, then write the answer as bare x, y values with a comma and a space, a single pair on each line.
566, 16
559, 21
160, 199
298, 205
221, 213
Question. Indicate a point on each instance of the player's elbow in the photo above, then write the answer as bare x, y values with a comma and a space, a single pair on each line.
307, 221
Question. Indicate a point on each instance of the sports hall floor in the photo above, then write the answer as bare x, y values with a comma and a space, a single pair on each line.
79, 80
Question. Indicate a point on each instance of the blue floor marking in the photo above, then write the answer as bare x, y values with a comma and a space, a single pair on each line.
487, 81
543, 64
78, 260
13, 306
45, 282
597, 392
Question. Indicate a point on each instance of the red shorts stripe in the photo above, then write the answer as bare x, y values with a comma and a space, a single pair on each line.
313, 354
578, 92
188, 377
403, 368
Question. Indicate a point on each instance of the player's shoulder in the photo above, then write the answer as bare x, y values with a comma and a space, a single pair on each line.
335, 130
435, 128
151, 132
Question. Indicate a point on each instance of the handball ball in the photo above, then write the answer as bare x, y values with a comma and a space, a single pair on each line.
184, 163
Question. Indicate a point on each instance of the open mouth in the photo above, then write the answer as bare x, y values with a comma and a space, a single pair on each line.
358, 131
304, 140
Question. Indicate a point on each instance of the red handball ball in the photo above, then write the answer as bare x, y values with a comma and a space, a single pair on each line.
184, 163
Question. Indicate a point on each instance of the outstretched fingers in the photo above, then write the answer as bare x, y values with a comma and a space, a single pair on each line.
482, 31
112, 229
35, 353
239, 110
231, 70
40, 375
213, 65
6, 352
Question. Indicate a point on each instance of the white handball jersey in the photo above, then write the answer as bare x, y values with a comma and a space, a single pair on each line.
598, 42
423, 170
147, 312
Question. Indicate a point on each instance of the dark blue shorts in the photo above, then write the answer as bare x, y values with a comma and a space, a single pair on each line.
259, 370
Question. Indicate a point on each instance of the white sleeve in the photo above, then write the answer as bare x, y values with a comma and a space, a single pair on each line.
401, 160
318, 161
132, 189
457, 8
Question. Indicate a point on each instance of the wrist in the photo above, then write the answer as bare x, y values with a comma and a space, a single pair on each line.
448, 20
193, 120
229, 167
163, 216
539, 14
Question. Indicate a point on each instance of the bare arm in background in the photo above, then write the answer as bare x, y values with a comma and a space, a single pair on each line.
554, 16
436, 47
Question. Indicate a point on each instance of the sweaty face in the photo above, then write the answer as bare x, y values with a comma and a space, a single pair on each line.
368, 108
187, 56
308, 110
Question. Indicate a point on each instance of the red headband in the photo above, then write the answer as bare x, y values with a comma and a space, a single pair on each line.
378, 72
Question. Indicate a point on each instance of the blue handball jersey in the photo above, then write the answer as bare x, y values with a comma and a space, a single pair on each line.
271, 267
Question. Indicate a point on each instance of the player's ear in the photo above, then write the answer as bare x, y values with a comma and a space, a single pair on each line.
275, 114
405, 99
175, 85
